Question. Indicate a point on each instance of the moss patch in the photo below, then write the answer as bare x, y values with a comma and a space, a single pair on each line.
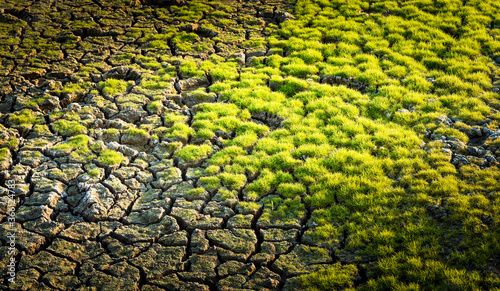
111, 158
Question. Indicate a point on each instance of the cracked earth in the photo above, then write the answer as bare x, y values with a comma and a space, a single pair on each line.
144, 221
122, 150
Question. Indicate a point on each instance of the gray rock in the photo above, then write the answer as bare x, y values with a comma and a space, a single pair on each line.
460, 160
159, 259
47, 262
178, 238
47, 198
202, 268
81, 231
199, 242
236, 240
283, 16
76, 251
193, 98
25, 213
139, 233
217, 210
235, 267
240, 221
167, 178
263, 279
191, 83
145, 216
96, 202
277, 234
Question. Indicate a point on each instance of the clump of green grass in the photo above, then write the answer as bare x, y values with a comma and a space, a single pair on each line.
309, 56
291, 189
4, 154
284, 209
293, 85
111, 158
244, 140
154, 106
300, 70
372, 77
345, 71
68, 127
113, 87
191, 68
137, 132
224, 156
331, 278
191, 153
233, 181
225, 71
210, 183
77, 147
396, 71
417, 83
74, 142
23, 118
95, 173
451, 132
74, 88
178, 132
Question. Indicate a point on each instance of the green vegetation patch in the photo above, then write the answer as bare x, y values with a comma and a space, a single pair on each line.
113, 87
74, 142
77, 147
331, 278
111, 158
357, 153
4, 155
24, 118
68, 127
191, 153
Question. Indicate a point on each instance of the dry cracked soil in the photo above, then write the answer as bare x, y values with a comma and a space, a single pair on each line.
105, 183
139, 222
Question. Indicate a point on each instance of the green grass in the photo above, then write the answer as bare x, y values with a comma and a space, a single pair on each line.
113, 87
210, 183
111, 158
77, 147
94, 173
225, 71
68, 128
74, 142
193, 153
451, 132
233, 181
331, 278
23, 118
72, 88
300, 70
246, 207
190, 68
309, 56
4, 154
178, 130
136, 132
154, 106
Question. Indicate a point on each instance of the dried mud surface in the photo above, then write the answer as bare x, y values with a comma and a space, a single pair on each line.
102, 202
135, 225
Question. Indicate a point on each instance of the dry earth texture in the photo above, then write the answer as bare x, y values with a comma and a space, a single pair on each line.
250, 145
